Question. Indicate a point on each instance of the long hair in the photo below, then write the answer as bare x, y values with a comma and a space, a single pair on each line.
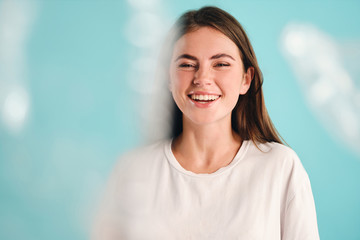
249, 118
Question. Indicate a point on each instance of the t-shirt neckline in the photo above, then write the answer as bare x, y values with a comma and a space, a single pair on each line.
175, 164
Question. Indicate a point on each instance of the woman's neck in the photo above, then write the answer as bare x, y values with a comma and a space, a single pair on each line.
206, 148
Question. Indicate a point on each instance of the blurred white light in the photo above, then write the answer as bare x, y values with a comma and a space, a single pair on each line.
144, 29
141, 75
295, 43
143, 3
329, 87
357, 99
349, 123
16, 19
321, 92
15, 109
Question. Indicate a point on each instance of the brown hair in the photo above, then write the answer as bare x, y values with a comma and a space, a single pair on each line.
249, 117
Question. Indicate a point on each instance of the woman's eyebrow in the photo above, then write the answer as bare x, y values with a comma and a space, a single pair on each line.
187, 56
220, 55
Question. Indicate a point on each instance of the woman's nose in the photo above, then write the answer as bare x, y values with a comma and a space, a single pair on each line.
202, 76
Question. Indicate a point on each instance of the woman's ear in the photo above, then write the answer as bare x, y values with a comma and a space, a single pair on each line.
246, 81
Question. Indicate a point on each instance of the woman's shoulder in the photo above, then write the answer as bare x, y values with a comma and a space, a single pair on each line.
276, 154
146, 150
272, 149
279, 160
142, 157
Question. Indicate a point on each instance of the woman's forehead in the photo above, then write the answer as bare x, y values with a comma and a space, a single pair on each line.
205, 40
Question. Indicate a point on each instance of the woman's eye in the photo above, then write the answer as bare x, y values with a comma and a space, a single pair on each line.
186, 65
222, 65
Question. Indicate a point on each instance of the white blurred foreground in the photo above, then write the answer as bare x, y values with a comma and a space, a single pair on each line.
328, 81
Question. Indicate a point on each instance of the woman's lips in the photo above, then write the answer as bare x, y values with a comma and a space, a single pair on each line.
204, 97
203, 100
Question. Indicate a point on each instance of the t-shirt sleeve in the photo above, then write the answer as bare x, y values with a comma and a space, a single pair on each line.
299, 216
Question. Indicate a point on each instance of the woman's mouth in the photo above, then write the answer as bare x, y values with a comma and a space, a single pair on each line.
204, 98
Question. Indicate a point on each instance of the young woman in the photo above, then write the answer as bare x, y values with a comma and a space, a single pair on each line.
225, 173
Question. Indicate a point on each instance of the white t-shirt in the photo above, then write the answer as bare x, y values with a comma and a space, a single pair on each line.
262, 195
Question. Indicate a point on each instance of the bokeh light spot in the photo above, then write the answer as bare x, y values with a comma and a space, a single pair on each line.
15, 109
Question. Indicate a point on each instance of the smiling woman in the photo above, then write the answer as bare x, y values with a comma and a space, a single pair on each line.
224, 174
206, 84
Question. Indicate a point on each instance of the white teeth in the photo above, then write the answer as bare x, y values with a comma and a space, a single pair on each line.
204, 97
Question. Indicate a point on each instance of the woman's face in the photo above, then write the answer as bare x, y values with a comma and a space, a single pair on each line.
207, 76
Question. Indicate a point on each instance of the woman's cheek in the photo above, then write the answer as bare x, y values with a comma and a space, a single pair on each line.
183, 78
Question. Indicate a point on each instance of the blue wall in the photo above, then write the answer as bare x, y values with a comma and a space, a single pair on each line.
73, 90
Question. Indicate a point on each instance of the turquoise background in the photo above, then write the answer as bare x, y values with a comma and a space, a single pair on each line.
84, 112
